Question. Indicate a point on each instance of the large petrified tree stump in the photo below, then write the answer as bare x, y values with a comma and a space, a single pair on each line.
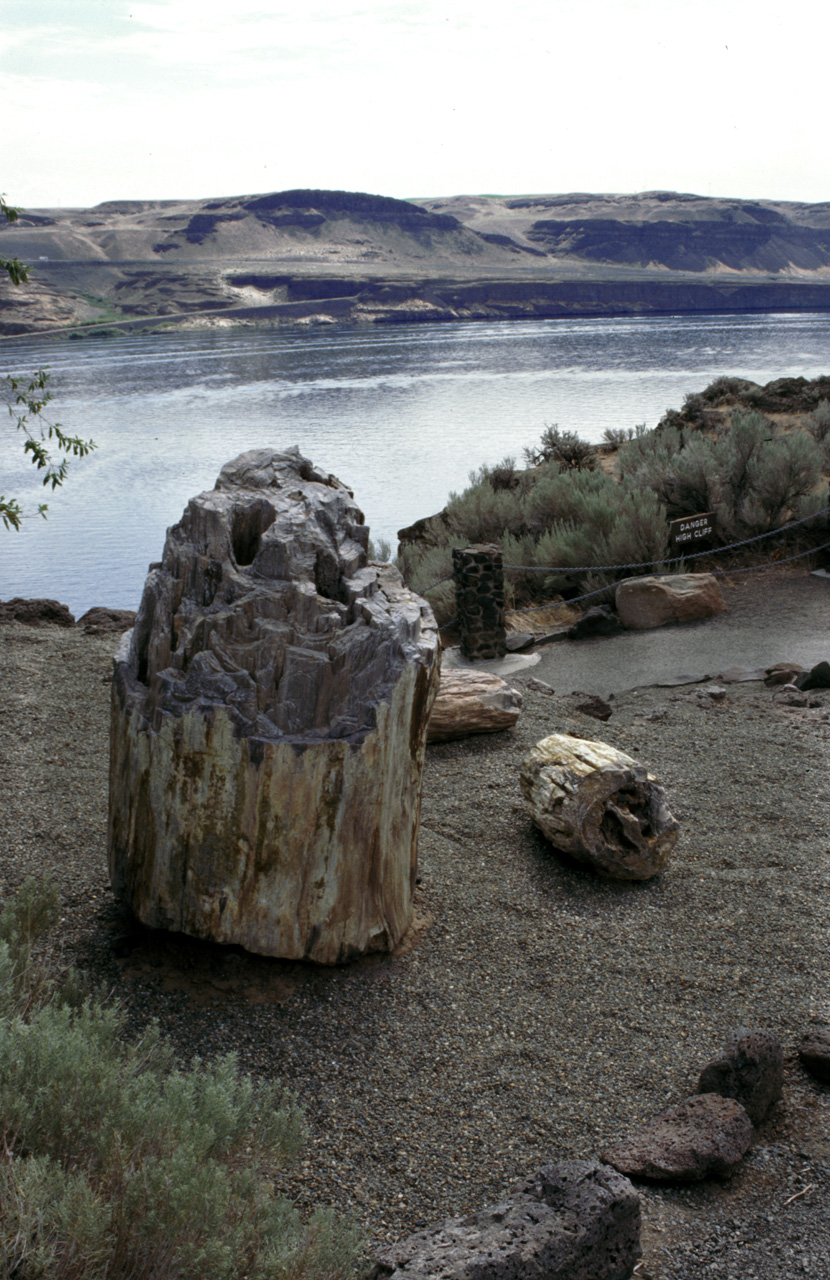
598, 805
269, 720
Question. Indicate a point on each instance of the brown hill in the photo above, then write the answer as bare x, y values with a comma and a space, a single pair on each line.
331, 255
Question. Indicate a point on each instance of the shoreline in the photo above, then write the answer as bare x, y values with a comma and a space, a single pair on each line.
450, 301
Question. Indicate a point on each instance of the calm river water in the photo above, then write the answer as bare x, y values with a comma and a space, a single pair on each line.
401, 414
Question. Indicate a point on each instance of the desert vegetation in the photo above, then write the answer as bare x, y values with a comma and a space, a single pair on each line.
756, 470
117, 1164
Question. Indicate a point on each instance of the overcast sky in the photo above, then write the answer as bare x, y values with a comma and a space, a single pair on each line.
105, 99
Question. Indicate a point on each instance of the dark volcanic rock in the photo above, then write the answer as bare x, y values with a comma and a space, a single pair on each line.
592, 705
36, 612
101, 621
814, 1054
702, 1137
601, 620
519, 641
577, 1220
750, 1069
818, 677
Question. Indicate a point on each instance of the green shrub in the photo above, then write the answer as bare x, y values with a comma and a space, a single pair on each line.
818, 423
752, 474
616, 436
614, 527
117, 1165
549, 516
423, 566
380, 551
564, 448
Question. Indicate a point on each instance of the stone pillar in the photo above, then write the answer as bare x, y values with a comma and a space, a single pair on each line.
479, 594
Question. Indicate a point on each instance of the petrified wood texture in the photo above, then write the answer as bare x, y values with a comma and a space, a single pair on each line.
269, 722
472, 702
598, 805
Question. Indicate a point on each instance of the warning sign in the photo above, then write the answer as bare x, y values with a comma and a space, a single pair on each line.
690, 529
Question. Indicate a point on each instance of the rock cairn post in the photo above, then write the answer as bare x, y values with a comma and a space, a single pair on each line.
479, 593
269, 717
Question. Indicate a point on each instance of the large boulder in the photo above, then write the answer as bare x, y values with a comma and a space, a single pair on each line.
703, 1137
269, 721
472, 702
577, 1220
658, 599
598, 805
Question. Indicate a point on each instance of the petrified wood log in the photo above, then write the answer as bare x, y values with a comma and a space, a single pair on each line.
598, 805
269, 723
472, 702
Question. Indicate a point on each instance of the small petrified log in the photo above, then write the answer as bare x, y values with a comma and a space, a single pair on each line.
598, 805
782, 673
269, 723
472, 702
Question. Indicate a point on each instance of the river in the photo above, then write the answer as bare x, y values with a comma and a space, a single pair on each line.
401, 414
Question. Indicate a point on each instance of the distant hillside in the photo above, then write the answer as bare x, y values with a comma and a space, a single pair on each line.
657, 229
322, 256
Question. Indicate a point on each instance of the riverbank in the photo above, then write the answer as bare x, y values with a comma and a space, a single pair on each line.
535, 1011
392, 301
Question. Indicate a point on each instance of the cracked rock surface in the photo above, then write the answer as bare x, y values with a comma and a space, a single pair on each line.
269, 716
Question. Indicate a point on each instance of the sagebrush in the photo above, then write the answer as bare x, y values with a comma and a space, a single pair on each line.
119, 1165
566, 514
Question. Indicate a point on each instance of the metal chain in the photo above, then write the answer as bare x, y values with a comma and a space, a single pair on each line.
645, 564
437, 584
716, 573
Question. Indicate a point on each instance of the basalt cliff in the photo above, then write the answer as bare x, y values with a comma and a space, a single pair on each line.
327, 256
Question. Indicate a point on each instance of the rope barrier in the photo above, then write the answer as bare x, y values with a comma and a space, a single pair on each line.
753, 568
716, 573
645, 564
436, 584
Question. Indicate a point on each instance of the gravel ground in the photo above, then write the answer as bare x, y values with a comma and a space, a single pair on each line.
535, 1011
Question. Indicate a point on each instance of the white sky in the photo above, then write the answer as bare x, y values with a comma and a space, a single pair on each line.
106, 99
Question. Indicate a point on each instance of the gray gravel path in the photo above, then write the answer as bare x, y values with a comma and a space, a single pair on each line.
535, 1011
772, 615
